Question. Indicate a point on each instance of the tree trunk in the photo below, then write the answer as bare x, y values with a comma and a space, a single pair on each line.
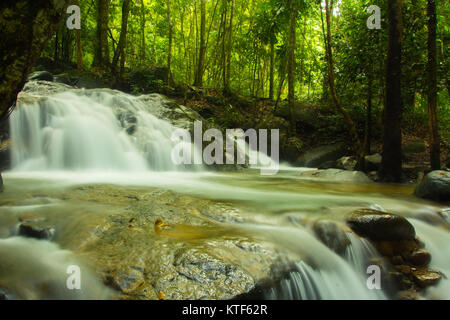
291, 65
142, 55
435, 160
26, 26
368, 129
202, 54
169, 53
272, 69
101, 55
229, 50
391, 164
356, 144
78, 44
120, 50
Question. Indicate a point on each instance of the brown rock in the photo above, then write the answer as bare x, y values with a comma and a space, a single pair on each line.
403, 269
397, 260
419, 257
425, 277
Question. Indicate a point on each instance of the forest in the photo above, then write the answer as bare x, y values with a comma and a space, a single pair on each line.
348, 100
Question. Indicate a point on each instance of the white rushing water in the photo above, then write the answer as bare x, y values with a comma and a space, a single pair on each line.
99, 131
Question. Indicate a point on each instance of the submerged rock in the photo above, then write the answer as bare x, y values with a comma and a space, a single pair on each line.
435, 186
336, 175
425, 277
332, 235
194, 256
41, 75
346, 163
315, 157
379, 226
31, 230
373, 162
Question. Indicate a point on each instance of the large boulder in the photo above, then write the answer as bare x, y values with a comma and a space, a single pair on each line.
435, 186
373, 162
41, 75
336, 175
381, 226
346, 163
315, 157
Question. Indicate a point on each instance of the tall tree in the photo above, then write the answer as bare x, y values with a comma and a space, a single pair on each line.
169, 51
78, 44
120, 50
142, 55
101, 54
202, 54
391, 164
293, 9
432, 87
356, 143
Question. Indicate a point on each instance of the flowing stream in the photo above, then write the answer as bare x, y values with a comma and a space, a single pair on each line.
85, 137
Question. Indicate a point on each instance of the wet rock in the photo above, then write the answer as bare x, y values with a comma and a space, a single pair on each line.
317, 156
408, 295
380, 226
397, 260
419, 257
425, 277
373, 162
41, 75
193, 258
336, 175
401, 248
5, 155
332, 235
435, 186
346, 163
32, 230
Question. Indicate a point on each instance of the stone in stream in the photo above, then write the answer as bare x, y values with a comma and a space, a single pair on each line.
315, 157
31, 230
41, 75
425, 277
336, 175
332, 235
346, 163
380, 226
435, 186
373, 162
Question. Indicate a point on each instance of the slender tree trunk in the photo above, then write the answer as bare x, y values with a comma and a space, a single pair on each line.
202, 55
435, 152
79, 47
142, 55
101, 54
272, 69
356, 144
229, 49
368, 129
120, 50
391, 164
291, 65
169, 53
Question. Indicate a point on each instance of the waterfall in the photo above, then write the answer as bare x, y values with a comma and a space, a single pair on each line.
87, 130
321, 274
